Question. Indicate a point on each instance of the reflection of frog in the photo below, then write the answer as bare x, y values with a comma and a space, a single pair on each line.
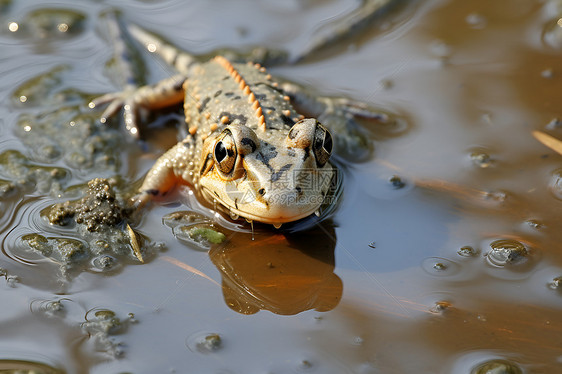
250, 150
283, 274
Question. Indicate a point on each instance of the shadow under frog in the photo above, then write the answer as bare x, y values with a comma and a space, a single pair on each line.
280, 272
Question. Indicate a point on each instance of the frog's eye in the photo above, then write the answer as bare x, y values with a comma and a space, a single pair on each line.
322, 145
225, 153
309, 133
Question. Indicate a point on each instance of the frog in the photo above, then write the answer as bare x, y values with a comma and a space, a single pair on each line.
256, 147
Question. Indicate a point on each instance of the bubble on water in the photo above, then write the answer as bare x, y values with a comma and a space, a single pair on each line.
554, 124
552, 34
507, 251
204, 342
51, 308
556, 283
476, 21
534, 224
481, 158
396, 182
555, 184
497, 366
367, 368
104, 263
468, 251
17, 366
547, 73
440, 49
440, 307
357, 340
440, 266
485, 362
496, 196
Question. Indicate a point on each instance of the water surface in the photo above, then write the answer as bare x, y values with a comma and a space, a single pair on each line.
389, 283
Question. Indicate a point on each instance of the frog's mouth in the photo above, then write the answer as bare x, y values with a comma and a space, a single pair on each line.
273, 219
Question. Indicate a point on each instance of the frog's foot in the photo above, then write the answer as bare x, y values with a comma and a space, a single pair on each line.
117, 100
341, 117
138, 201
165, 93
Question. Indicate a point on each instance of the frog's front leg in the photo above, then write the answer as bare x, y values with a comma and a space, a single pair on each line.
340, 116
163, 94
172, 168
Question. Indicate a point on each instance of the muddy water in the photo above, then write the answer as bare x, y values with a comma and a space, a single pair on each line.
456, 269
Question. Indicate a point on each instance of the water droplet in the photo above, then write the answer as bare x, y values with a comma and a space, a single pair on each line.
13, 26
62, 27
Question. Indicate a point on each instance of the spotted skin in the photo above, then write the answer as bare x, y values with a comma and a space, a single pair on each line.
248, 151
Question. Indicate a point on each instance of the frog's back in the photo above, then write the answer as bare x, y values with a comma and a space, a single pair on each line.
223, 93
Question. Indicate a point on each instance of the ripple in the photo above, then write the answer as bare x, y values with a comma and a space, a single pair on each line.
25, 218
51, 308
29, 366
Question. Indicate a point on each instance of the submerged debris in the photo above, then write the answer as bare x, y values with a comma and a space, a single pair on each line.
98, 209
101, 237
193, 228
102, 327
21, 173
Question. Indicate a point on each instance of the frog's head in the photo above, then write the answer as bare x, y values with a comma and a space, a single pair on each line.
272, 176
